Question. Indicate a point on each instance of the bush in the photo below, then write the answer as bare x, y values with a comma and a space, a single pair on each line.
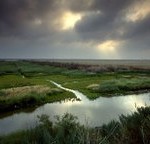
66, 130
135, 127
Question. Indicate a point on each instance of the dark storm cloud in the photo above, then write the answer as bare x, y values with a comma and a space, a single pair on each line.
18, 11
107, 19
93, 22
78, 5
111, 7
17, 16
138, 30
26, 26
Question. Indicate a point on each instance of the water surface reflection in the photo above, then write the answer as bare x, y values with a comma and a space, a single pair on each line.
96, 112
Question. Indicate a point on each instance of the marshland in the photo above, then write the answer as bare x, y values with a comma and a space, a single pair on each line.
68, 101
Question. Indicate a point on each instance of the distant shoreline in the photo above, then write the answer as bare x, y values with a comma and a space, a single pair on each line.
116, 63
76, 59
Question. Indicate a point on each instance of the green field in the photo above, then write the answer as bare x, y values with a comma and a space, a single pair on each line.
24, 83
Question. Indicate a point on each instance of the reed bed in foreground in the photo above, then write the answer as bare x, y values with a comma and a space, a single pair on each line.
131, 129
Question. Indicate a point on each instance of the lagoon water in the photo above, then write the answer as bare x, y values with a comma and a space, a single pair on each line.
92, 113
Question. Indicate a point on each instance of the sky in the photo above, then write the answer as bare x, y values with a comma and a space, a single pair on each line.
75, 29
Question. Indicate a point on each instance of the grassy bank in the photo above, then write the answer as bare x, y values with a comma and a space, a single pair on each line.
131, 129
24, 84
106, 84
30, 96
121, 86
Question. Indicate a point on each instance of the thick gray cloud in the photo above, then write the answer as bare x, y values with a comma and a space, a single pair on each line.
16, 12
106, 13
138, 30
111, 7
109, 24
109, 20
18, 17
34, 28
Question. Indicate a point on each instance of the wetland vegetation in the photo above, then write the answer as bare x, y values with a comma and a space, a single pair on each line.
25, 84
130, 129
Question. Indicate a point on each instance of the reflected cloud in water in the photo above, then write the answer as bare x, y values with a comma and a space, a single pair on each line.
97, 112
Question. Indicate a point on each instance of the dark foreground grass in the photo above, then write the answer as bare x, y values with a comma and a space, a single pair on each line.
131, 129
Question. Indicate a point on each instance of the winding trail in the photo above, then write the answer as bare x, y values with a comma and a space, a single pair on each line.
78, 94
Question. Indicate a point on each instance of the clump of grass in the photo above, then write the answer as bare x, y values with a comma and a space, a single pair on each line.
11, 81
120, 86
2, 93
108, 86
66, 130
7, 67
54, 91
18, 91
94, 87
136, 127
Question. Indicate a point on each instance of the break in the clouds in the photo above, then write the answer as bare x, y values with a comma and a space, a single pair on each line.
94, 29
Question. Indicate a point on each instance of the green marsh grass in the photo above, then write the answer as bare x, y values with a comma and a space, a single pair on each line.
30, 96
26, 73
120, 86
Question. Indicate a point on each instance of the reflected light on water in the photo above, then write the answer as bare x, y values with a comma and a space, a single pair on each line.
96, 113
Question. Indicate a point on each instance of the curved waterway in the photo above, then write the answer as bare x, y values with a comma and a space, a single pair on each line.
93, 113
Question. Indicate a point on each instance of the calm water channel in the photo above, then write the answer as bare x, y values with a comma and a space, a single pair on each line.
95, 113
